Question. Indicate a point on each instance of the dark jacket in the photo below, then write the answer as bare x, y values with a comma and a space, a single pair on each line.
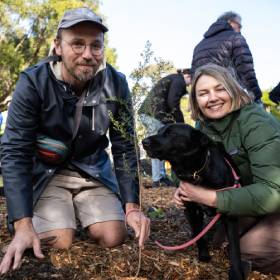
41, 104
274, 95
223, 46
252, 137
163, 101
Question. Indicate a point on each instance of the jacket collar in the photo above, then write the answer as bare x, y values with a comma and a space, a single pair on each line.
217, 27
221, 125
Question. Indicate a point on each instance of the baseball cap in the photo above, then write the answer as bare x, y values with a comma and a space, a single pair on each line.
74, 16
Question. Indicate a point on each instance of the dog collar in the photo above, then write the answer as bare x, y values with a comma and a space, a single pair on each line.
196, 175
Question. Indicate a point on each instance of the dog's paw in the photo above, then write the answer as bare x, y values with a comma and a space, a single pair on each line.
204, 256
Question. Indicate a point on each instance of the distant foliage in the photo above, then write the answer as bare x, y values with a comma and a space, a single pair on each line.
271, 107
27, 28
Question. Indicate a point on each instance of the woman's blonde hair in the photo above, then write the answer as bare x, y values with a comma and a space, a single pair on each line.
227, 78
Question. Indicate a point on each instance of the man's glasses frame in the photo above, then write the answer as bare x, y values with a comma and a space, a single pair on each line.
79, 47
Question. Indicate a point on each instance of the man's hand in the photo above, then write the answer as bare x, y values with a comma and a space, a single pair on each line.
139, 223
25, 237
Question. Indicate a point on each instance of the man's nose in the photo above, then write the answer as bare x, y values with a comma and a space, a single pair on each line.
87, 54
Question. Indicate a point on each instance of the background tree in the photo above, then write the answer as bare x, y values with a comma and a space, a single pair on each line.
27, 28
270, 106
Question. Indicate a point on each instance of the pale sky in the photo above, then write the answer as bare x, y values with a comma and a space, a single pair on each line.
175, 27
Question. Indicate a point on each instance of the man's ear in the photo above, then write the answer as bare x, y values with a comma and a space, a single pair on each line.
57, 46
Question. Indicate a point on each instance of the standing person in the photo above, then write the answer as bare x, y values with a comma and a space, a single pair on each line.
162, 106
252, 137
274, 94
67, 100
224, 45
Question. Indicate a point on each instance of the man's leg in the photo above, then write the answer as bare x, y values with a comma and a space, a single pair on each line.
59, 239
100, 211
261, 245
54, 216
108, 234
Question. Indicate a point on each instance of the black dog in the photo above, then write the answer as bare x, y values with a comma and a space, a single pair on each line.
195, 158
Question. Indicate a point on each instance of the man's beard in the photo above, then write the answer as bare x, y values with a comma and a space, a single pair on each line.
82, 76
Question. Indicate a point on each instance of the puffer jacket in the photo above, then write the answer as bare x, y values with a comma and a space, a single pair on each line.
274, 94
163, 101
41, 104
252, 137
223, 46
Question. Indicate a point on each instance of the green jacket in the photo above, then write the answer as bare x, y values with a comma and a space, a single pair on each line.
252, 137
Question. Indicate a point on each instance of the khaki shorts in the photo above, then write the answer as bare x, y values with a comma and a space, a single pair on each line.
68, 198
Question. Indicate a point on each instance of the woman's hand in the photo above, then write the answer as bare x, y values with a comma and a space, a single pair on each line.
178, 198
194, 193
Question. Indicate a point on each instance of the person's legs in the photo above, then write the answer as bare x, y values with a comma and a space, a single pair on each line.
152, 126
100, 211
59, 238
108, 234
156, 168
162, 169
54, 216
261, 245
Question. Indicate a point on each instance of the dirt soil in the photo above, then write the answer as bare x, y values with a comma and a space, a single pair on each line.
86, 260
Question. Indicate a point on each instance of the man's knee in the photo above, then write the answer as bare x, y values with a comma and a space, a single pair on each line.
58, 239
108, 234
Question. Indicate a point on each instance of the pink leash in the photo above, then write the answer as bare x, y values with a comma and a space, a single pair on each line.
209, 226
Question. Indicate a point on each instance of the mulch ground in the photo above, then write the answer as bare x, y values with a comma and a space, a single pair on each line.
85, 260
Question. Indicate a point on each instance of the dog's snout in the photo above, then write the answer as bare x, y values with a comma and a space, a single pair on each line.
146, 142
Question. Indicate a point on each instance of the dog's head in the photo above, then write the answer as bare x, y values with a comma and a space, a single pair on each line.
175, 140
191, 153
180, 144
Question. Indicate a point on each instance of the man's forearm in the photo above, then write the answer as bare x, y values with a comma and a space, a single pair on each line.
131, 205
25, 222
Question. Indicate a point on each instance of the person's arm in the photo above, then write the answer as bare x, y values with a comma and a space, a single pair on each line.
18, 149
243, 61
176, 91
17, 154
261, 140
25, 237
188, 192
125, 163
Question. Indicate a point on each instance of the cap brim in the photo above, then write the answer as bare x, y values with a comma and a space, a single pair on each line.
67, 25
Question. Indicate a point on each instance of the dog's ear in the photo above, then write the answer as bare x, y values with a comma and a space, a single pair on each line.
201, 138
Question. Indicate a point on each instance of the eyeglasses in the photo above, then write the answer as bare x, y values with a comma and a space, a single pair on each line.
80, 47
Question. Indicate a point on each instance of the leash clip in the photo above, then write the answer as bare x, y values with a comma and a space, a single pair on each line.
196, 177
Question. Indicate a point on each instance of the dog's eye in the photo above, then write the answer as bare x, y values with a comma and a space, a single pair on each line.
170, 134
